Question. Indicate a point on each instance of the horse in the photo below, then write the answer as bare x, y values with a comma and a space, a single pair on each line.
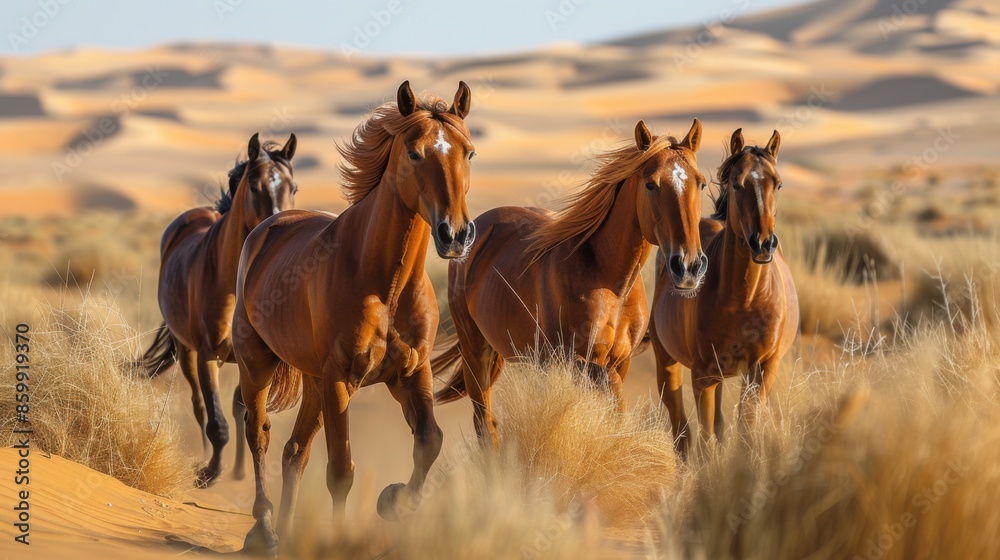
746, 316
571, 280
199, 255
336, 304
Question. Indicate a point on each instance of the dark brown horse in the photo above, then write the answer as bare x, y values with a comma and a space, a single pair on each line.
570, 282
347, 302
199, 255
746, 315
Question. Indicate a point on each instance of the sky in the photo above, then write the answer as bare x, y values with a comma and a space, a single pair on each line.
443, 27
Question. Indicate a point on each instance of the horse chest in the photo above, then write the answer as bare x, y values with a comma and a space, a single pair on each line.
746, 338
373, 352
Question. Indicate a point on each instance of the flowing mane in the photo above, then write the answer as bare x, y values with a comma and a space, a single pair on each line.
366, 154
725, 172
225, 202
587, 209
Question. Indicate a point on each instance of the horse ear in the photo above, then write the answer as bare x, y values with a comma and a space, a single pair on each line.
405, 99
253, 148
643, 138
736, 142
693, 139
463, 100
774, 144
288, 151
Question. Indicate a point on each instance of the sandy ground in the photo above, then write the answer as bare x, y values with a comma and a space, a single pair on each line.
75, 510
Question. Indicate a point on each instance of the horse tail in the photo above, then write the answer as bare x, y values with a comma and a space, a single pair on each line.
162, 353
448, 363
286, 388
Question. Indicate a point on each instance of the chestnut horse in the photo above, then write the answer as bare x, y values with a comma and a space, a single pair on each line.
746, 316
571, 281
199, 254
346, 300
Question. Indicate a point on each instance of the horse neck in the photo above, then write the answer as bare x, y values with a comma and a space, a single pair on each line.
618, 244
232, 230
743, 279
393, 244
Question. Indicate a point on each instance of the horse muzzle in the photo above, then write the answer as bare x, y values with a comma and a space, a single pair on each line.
762, 250
687, 274
451, 243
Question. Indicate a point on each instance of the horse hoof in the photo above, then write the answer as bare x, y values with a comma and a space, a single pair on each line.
387, 501
207, 476
261, 542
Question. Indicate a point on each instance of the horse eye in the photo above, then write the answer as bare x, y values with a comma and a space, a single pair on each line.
779, 186
737, 186
703, 185
414, 155
650, 186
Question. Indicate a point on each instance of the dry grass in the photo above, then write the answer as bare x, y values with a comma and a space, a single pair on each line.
886, 450
570, 464
84, 407
892, 455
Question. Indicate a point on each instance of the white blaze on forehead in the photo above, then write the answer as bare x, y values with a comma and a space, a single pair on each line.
679, 177
441, 144
757, 190
272, 185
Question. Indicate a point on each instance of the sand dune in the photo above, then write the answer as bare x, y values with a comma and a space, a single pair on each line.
837, 77
75, 510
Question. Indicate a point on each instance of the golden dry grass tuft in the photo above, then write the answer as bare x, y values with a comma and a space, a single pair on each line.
85, 405
890, 454
558, 427
569, 465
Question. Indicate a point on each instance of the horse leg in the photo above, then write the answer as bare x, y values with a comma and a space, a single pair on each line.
340, 467
669, 382
720, 425
189, 366
480, 368
239, 416
415, 395
296, 452
759, 380
616, 381
704, 390
217, 427
257, 364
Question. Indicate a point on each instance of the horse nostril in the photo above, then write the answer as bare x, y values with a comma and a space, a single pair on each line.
773, 244
444, 233
698, 268
463, 234
677, 267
